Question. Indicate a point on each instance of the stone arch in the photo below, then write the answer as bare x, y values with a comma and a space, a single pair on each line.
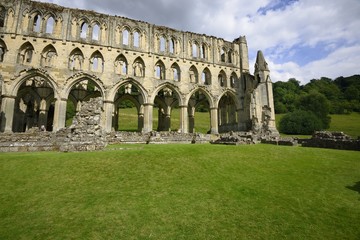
80, 77
137, 37
193, 74
111, 94
10, 18
206, 76
175, 72
139, 67
222, 79
26, 53
49, 23
160, 70
35, 95
36, 21
121, 65
233, 80
128, 90
83, 29
48, 56
76, 60
125, 36
195, 49
95, 31
162, 43
96, 62
227, 112
3, 50
199, 100
166, 98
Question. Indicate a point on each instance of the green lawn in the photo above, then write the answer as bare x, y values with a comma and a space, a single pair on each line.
181, 192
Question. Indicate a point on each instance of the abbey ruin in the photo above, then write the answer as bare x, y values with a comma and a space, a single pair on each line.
52, 56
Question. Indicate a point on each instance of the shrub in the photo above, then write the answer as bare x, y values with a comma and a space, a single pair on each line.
300, 122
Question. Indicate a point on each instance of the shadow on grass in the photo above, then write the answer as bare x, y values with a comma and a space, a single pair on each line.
355, 187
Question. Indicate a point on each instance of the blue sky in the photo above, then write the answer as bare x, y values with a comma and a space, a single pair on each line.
302, 39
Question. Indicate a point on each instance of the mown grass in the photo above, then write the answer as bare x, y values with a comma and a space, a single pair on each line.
181, 192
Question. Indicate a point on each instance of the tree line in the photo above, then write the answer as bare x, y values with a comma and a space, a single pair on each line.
308, 106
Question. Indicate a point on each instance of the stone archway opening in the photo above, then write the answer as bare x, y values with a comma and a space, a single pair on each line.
81, 91
199, 113
227, 117
166, 112
128, 109
34, 105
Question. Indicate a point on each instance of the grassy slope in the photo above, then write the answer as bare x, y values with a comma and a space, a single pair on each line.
181, 192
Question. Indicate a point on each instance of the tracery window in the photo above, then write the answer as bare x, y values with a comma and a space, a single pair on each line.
50, 25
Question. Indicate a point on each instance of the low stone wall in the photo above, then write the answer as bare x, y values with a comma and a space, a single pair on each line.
334, 140
236, 138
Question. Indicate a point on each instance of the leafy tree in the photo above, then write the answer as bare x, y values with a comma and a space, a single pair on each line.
300, 122
286, 95
318, 104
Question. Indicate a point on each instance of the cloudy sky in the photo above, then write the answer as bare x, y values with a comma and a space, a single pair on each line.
302, 39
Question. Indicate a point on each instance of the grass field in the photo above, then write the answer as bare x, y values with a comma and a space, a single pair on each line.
181, 192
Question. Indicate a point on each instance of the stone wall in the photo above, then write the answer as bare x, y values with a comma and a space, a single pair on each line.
334, 140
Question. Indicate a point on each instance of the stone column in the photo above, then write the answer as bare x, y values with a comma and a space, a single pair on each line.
191, 112
7, 113
167, 119
184, 121
214, 120
141, 119
59, 114
148, 117
107, 116
43, 114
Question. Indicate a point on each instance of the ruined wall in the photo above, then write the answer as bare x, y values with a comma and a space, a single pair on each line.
50, 54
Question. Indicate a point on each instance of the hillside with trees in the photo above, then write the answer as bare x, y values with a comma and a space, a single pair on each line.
308, 106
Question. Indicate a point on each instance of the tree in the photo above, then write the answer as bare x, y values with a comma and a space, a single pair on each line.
300, 122
286, 95
316, 103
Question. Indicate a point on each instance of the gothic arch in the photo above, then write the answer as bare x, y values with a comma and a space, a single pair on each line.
170, 86
3, 50
206, 93
48, 56
25, 54
160, 70
78, 78
121, 65
97, 62
206, 76
113, 91
76, 59
139, 67
222, 79
175, 72
193, 74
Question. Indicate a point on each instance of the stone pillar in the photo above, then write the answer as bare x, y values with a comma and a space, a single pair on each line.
59, 114
43, 114
191, 111
184, 121
148, 117
107, 116
7, 113
141, 119
167, 119
214, 120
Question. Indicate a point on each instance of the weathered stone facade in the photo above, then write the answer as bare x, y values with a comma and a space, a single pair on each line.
52, 56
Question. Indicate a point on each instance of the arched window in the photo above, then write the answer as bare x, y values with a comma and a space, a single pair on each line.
26, 53
139, 67
97, 62
136, 39
50, 25
2, 16
172, 46
76, 60
233, 80
222, 79
203, 51
175, 72
48, 56
95, 32
83, 30
121, 65
194, 50
160, 70
230, 53
125, 37
206, 77
37, 22
162, 44
222, 55
193, 74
